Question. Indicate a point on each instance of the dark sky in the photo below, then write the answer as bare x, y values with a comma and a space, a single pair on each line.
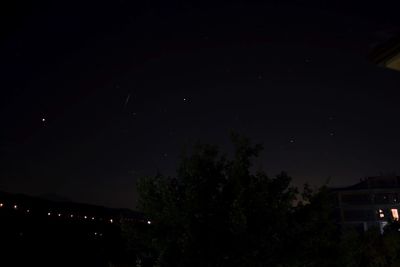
95, 94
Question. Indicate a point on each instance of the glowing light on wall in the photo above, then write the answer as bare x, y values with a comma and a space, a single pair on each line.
395, 214
381, 214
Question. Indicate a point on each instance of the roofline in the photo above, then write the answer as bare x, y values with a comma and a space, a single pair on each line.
384, 53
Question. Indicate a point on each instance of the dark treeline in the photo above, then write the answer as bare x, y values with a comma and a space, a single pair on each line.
219, 211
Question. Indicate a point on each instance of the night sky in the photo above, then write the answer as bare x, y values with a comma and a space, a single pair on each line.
95, 94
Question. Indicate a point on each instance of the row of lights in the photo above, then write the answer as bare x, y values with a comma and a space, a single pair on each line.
15, 207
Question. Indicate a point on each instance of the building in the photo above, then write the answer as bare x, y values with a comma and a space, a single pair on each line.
387, 55
372, 202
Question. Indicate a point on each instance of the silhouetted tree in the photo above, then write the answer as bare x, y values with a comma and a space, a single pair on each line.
219, 212
216, 212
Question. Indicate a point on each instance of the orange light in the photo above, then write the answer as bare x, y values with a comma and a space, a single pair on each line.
395, 214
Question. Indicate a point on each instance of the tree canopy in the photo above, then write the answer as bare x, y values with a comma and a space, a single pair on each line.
220, 211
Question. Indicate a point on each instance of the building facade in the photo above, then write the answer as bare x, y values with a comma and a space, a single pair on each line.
387, 55
372, 202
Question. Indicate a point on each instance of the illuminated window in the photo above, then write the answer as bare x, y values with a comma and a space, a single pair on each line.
148, 222
85, 217
72, 215
395, 214
59, 215
28, 211
111, 221
15, 207
49, 213
92, 218
1, 205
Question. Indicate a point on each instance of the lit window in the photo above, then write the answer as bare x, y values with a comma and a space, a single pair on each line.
15, 207
85, 217
92, 218
1, 205
148, 222
111, 220
59, 215
395, 214
72, 215
28, 211
49, 213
